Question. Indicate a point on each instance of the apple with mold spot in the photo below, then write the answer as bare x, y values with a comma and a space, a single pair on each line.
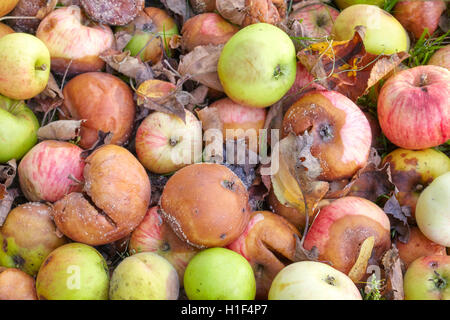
416, 101
75, 43
341, 133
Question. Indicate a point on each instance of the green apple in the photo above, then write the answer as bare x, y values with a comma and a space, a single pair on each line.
74, 271
257, 65
18, 129
433, 210
219, 274
24, 66
144, 276
342, 4
310, 280
383, 33
428, 278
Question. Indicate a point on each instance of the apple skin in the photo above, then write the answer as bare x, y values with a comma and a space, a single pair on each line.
74, 264
423, 279
18, 129
441, 57
28, 236
418, 246
70, 37
6, 6
413, 170
316, 19
219, 274
164, 143
257, 65
342, 4
24, 66
341, 133
310, 280
416, 100
4, 30
154, 235
144, 276
16, 285
44, 171
378, 23
166, 29
340, 228
432, 213
416, 16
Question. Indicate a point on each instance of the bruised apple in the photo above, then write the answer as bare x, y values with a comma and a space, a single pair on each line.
114, 199
341, 227
28, 236
268, 243
414, 170
104, 101
75, 43
190, 202
16, 285
154, 235
341, 133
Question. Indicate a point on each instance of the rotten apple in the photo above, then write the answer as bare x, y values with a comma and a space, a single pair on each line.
7, 6
16, 285
112, 12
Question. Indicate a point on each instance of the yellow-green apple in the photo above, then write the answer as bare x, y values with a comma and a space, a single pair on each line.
24, 66
342, 4
383, 33
418, 246
74, 271
104, 101
28, 236
144, 276
432, 210
428, 278
341, 133
4, 30
74, 42
154, 235
311, 280
413, 170
416, 100
6, 6
257, 65
18, 129
341, 227
441, 57
164, 143
152, 32
219, 274
416, 15
204, 29
269, 244
50, 170
316, 19
16, 285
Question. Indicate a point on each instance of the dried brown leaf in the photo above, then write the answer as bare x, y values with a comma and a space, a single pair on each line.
60, 130
394, 275
301, 254
232, 10
124, 63
398, 217
8, 172
6, 201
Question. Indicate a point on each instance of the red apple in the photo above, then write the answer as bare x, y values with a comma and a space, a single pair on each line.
316, 19
45, 171
414, 108
341, 132
155, 235
340, 228
441, 57
417, 15
73, 41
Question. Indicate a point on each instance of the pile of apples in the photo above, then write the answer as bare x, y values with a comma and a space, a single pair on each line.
132, 206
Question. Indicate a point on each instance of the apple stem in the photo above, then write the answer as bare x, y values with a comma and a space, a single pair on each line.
439, 281
42, 67
423, 80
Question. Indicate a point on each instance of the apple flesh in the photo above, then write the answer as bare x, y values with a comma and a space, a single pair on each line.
383, 33
16, 285
28, 236
219, 274
257, 65
432, 214
427, 278
164, 143
74, 271
310, 280
24, 66
7, 6
416, 100
74, 42
144, 276
441, 58
18, 129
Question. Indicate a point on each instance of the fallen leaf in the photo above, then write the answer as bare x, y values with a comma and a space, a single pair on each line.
179, 7
127, 65
8, 172
103, 138
47, 9
212, 126
394, 275
398, 217
6, 201
301, 254
60, 130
